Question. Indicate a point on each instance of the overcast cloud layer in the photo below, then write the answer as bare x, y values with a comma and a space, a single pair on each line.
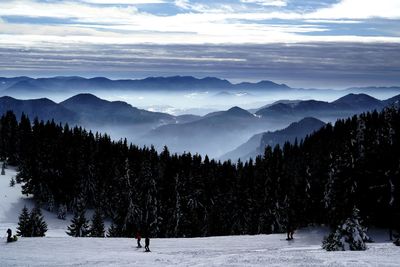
304, 43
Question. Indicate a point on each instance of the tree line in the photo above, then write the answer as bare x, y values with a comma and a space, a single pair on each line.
319, 180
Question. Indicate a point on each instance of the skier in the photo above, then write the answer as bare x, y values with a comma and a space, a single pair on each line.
147, 244
289, 230
290, 227
138, 237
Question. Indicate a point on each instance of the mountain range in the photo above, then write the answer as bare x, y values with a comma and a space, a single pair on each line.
342, 107
215, 133
174, 83
76, 84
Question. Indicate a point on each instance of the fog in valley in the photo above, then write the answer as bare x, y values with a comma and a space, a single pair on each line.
206, 121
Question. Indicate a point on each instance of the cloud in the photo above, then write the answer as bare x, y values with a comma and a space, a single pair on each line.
184, 4
205, 7
278, 3
66, 10
237, 39
206, 23
326, 64
124, 2
359, 9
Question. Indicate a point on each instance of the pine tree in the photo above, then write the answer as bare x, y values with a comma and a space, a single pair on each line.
97, 226
151, 218
24, 224
348, 236
39, 226
113, 231
3, 166
79, 224
12, 182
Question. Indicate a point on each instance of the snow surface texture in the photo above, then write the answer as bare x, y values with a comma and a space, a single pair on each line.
57, 249
11, 203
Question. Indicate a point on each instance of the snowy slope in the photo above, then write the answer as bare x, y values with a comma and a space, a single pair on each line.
261, 250
12, 202
57, 249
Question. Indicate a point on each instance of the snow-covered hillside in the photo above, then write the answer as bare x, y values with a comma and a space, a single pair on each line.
12, 202
57, 249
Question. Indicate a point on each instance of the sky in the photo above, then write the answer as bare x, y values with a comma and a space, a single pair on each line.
304, 43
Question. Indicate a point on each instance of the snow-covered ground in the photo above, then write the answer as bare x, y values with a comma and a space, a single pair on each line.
57, 249
12, 201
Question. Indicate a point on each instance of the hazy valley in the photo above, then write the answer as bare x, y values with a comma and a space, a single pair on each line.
244, 112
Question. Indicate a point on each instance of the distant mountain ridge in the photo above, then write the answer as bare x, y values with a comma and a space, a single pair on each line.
342, 107
256, 144
215, 133
87, 110
95, 110
76, 84
178, 83
43, 108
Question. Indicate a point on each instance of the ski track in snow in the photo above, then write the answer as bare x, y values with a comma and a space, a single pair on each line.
58, 249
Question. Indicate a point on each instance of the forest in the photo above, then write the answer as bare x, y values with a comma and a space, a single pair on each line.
354, 163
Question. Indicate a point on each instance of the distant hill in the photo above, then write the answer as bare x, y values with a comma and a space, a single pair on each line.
219, 87
175, 83
8, 82
358, 101
254, 110
213, 134
114, 117
94, 110
42, 108
256, 144
245, 150
343, 107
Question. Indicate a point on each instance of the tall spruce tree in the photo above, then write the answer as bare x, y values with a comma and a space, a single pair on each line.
38, 225
24, 224
79, 224
97, 226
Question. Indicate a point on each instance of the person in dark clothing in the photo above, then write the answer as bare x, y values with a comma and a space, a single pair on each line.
290, 225
138, 237
9, 236
147, 244
289, 230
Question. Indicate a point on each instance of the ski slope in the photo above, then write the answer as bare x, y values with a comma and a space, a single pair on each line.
58, 249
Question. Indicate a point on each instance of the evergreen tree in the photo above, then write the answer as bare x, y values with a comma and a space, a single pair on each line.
97, 226
3, 171
38, 225
113, 231
151, 218
348, 236
12, 182
24, 224
79, 224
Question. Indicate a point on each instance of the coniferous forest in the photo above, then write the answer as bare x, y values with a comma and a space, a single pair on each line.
318, 180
